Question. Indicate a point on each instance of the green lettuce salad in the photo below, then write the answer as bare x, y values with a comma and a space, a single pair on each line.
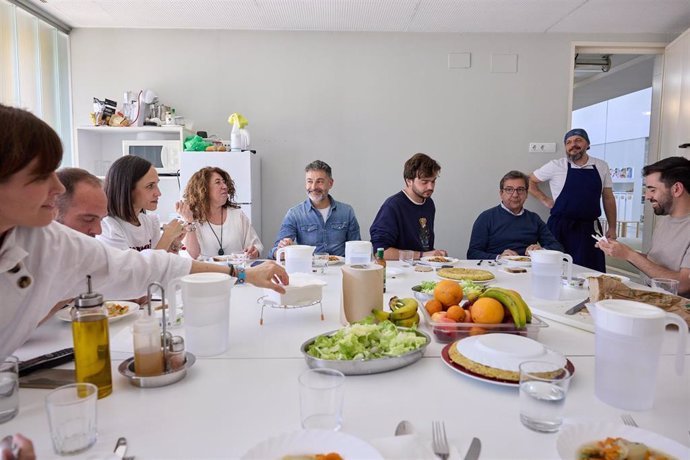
366, 341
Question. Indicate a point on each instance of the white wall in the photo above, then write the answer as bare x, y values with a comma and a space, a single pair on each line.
363, 102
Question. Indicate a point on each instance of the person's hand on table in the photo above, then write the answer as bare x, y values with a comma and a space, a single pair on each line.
532, 247
252, 252
509, 252
266, 274
285, 242
435, 252
613, 248
17, 447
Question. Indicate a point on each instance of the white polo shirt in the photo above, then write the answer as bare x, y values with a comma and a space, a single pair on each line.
555, 172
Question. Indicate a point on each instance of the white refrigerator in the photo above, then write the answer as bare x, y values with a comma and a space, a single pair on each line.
244, 169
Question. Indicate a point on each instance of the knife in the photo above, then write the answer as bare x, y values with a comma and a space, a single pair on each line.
474, 450
577, 307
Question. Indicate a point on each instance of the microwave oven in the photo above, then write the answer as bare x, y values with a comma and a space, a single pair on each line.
164, 155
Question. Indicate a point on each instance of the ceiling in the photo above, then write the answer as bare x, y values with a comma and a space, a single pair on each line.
455, 16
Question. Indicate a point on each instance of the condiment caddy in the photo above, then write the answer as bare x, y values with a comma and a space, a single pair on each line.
160, 356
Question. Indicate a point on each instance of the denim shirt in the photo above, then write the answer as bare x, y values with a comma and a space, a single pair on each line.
304, 224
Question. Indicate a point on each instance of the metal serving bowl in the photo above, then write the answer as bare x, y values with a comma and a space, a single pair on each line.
126, 368
421, 296
366, 366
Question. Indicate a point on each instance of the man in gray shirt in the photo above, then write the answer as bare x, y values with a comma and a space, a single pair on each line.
668, 190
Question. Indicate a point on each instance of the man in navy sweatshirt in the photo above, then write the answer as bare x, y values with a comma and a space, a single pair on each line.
509, 229
405, 220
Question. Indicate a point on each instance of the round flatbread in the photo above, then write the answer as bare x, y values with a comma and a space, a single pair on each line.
481, 369
472, 274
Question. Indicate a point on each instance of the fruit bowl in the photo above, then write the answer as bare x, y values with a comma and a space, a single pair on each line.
446, 332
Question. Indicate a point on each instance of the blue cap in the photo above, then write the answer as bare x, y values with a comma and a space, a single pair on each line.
576, 132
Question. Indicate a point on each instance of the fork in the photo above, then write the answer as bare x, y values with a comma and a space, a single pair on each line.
628, 420
438, 440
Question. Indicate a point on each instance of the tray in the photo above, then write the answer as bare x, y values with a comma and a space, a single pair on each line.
126, 368
450, 332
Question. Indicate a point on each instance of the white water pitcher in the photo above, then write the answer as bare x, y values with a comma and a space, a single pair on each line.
297, 258
547, 266
628, 346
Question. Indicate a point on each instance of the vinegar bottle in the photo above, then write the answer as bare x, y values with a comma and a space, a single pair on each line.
148, 354
91, 341
382, 262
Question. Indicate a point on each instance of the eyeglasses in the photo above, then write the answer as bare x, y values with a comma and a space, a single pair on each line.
511, 190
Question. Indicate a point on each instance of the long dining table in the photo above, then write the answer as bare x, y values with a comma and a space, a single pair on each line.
229, 403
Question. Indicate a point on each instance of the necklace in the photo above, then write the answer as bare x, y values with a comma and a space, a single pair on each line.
220, 241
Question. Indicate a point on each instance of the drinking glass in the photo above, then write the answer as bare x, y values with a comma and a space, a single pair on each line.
406, 257
9, 388
239, 259
543, 386
321, 393
666, 284
72, 417
320, 262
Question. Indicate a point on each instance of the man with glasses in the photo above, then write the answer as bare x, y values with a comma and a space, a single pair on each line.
578, 182
509, 229
405, 220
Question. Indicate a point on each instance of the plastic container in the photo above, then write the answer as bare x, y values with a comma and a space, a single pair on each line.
302, 290
450, 332
547, 267
297, 258
358, 252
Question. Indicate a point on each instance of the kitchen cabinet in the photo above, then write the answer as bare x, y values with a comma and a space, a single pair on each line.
675, 99
99, 146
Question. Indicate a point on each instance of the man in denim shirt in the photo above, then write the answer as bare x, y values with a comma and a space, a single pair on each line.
319, 220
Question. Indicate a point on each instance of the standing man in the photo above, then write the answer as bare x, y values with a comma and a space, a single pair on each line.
577, 183
319, 220
667, 185
405, 220
84, 203
509, 229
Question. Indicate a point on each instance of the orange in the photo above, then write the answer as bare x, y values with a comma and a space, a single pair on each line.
487, 311
456, 313
448, 293
433, 306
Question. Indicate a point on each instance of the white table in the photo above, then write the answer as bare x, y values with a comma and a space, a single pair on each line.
229, 403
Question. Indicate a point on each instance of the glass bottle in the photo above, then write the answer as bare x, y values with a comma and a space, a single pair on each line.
148, 354
382, 262
91, 341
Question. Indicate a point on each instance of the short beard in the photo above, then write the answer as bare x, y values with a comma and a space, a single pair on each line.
578, 156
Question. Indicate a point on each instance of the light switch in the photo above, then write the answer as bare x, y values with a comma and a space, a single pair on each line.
542, 147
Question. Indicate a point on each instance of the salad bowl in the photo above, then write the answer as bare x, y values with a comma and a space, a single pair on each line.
367, 366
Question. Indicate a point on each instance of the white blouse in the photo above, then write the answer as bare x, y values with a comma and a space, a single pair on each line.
123, 235
238, 235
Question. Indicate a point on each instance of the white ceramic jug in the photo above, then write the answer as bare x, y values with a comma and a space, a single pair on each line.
206, 303
358, 252
628, 346
297, 258
547, 266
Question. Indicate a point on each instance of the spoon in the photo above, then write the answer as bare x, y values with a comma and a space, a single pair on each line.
404, 428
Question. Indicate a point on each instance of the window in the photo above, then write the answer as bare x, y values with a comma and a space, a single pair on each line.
34, 70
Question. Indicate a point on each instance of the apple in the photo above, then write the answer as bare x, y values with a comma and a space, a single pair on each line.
438, 316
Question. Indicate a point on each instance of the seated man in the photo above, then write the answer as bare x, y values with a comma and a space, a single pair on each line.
319, 220
509, 229
668, 190
405, 220
84, 203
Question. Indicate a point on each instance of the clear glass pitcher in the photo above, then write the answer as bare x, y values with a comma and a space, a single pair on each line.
628, 345
547, 267
206, 302
297, 258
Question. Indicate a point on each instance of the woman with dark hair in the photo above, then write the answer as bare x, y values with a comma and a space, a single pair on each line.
42, 261
220, 227
131, 186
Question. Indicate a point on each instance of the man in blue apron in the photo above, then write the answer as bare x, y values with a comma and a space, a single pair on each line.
577, 183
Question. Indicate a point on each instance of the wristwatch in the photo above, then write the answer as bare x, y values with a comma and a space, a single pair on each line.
241, 275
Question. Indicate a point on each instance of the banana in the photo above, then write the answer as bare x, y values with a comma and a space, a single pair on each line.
394, 303
380, 315
506, 298
408, 310
408, 322
523, 305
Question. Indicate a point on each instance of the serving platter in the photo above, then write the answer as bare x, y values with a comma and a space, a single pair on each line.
516, 261
65, 313
435, 261
366, 366
311, 442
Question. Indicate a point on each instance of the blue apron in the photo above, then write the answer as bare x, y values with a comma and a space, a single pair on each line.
575, 215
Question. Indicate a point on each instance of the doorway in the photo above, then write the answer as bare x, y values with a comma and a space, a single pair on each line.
615, 96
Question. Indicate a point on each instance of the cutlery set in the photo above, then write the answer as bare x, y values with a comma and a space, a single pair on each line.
439, 441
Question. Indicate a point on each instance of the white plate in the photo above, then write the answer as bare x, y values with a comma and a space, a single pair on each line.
428, 261
392, 272
340, 261
572, 437
515, 261
132, 308
310, 442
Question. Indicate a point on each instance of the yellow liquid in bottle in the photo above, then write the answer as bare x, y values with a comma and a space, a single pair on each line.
92, 353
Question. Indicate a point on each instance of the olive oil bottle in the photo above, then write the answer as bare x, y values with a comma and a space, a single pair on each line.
91, 341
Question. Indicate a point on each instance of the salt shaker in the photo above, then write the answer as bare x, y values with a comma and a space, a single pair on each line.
176, 356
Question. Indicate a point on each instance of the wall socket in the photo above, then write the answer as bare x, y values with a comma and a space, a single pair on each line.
542, 147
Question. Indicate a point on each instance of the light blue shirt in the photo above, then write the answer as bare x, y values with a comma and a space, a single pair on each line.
305, 225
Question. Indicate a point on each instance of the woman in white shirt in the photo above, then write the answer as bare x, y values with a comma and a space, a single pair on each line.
131, 186
219, 225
